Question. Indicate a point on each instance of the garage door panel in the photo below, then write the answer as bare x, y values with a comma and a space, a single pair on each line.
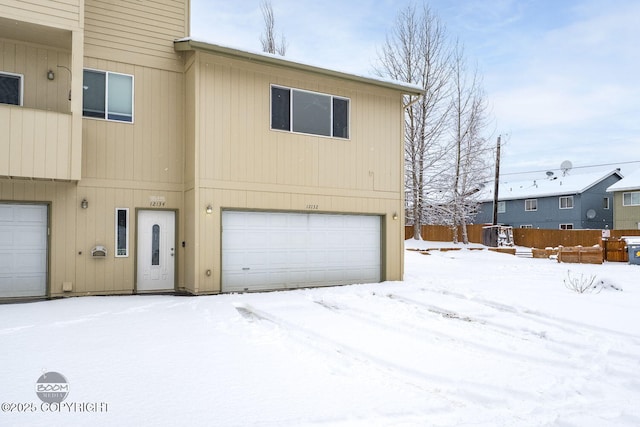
289, 250
23, 250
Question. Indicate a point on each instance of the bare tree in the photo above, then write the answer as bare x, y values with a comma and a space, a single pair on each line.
417, 52
268, 38
470, 168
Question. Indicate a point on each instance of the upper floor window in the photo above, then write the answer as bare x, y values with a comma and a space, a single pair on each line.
566, 202
605, 203
526, 226
566, 226
502, 207
631, 199
107, 95
531, 205
313, 113
10, 88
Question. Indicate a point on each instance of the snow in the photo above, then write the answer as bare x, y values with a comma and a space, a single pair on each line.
630, 182
470, 337
572, 183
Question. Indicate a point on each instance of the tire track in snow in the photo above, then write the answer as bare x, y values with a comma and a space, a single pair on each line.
405, 330
463, 390
578, 328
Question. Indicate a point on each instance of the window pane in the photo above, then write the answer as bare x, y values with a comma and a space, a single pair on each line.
311, 113
120, 97
9, 89
340, 118
93, 94
121, 230
280, 108
155, 245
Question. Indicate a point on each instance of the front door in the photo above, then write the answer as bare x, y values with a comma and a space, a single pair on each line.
156, 251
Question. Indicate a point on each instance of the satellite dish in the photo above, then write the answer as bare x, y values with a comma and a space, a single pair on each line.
549, 174
591, 213
566, 167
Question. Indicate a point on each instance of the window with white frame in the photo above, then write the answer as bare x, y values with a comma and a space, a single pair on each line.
531, 205
11, 88
631, 199
605, 203
566, 202
566, 226
502, 207
107, 95
314, 113
122, 232
526, 226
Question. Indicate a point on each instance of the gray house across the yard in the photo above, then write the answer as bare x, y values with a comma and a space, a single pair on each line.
570, 201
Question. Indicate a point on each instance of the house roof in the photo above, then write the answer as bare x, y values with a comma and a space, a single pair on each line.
546, 187
190, 44
628, 183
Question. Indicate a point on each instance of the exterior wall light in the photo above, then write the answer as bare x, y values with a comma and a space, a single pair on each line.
209, 209
84, 204
51, 75
395, 216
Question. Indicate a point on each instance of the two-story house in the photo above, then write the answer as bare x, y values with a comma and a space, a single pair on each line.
568, 201
135, 159
626, 202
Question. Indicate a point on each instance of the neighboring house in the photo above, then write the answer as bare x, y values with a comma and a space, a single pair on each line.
626, 202
134, 159
571, 201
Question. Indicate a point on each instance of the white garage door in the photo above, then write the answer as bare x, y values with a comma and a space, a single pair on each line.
23, 250
275, 250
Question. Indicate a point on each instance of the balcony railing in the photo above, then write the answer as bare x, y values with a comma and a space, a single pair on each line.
35, 143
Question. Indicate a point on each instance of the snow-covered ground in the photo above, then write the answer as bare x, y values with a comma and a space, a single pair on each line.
469, 338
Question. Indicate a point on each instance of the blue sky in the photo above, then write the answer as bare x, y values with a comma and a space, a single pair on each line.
562, 77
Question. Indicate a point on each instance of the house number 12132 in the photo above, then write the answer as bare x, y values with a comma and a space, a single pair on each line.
315, 207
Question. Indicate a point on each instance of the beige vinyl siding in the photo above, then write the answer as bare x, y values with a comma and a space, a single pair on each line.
237, 144
135, 32
625, 217
33, 62
151, 148
57, 13
240, 163
35, 143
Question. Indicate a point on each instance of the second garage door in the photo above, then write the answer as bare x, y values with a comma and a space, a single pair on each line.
276, 250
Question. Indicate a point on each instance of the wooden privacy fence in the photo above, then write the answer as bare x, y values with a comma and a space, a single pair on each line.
614, 248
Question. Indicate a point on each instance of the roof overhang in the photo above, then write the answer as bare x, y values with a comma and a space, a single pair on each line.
189, 44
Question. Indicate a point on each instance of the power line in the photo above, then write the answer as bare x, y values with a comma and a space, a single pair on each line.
575, 167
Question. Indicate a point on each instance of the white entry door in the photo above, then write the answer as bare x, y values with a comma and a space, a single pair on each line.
23, 250
156, 251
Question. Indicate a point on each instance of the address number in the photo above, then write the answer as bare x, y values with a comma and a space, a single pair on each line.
157, 204
315, 207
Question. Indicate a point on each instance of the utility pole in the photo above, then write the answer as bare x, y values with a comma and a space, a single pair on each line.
496, 184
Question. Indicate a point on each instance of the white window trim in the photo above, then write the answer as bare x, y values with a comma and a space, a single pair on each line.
566, 198
530, 210
503, 205
631, 196
126, 234
526, 226
21, 76
608, 204
106, 96
570, 226
291, 112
